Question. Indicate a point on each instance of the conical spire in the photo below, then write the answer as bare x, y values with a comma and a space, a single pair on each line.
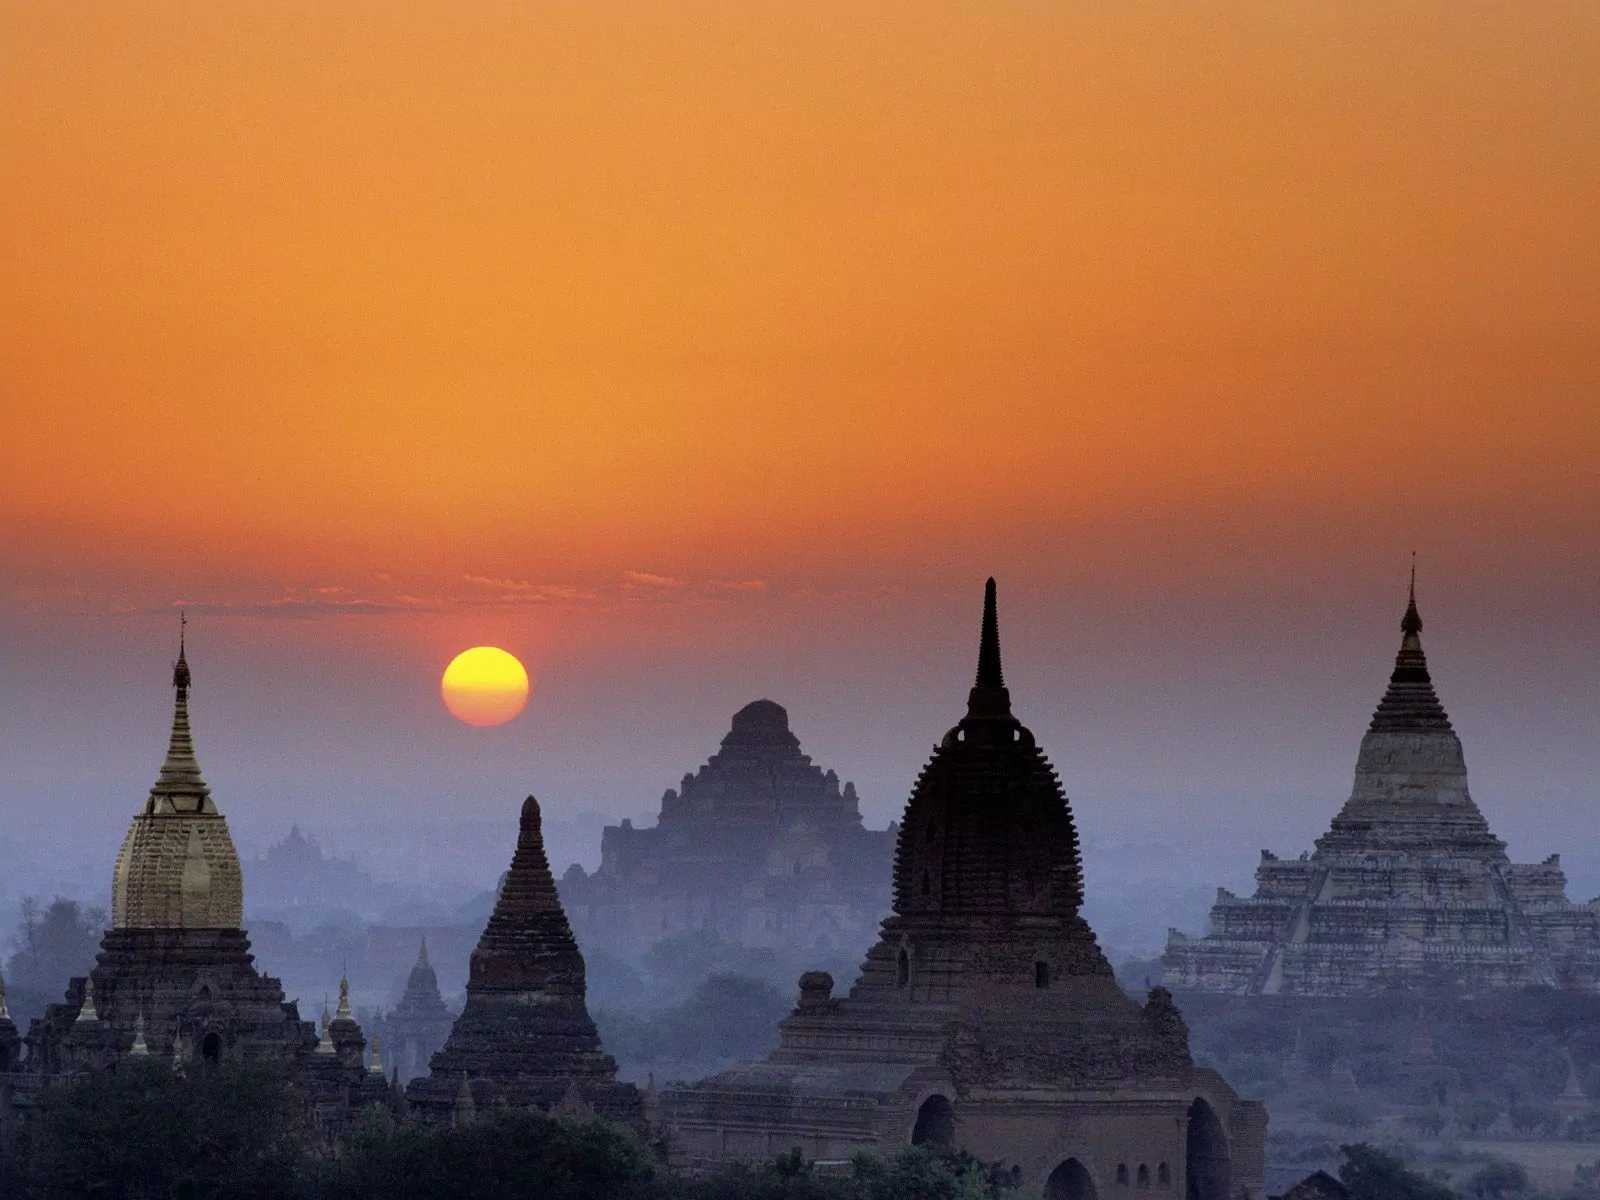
343, 1013
525, 1033
422, 953
140, 1048
1411, 623
989, 697
1410, 702
375, 1067
528, 944
179, 787
5, 1014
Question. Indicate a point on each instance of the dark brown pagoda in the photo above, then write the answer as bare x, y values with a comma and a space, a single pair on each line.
525, 1037
986, 1015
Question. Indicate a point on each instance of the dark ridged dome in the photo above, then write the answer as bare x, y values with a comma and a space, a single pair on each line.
988, 831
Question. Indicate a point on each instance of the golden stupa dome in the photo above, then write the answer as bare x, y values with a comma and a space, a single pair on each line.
178, 868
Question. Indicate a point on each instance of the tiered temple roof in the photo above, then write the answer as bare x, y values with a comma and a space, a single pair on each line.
525, 1037
1407, 889
760, 846
986, 1015
418, 1026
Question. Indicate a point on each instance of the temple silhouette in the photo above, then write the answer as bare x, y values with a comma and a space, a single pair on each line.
986, 1016
760, 846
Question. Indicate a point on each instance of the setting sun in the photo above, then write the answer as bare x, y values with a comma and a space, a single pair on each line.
484, 686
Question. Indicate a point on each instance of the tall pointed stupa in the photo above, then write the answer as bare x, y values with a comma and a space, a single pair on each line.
175, 969
985, 1016
178, 868
525, 1037
1408, 888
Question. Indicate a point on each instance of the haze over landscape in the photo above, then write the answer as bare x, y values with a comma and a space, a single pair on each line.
712, 353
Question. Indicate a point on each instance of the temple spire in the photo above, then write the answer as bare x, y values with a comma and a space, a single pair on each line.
1411, 623
180, 787
1410, 702
989, 697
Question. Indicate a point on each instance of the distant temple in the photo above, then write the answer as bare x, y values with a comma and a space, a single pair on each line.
1407, 890
760, 846
986, 1016
174, 977
525, 1038
418, 1026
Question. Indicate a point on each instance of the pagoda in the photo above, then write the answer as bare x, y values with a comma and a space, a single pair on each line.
525, 1038
420, 1023
760, 846
1407, 890
986, 1016
174, 975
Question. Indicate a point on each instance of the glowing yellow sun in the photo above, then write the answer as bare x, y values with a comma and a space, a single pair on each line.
484, 686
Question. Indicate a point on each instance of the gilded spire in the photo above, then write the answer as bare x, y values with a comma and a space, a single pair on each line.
989, 697
179, 787
343, 1013
375, 1067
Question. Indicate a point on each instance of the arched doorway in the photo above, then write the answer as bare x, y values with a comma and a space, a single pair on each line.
1206, 1158
1070, 1181
211, 1048
936, 1123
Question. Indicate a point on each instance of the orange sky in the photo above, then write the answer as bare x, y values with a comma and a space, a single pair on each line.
551, 292
697, 351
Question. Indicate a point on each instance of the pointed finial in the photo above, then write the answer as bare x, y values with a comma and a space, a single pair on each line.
989, 697
422, 952
989, 674
1411, 623
343, 1013
140, 1048
180, 670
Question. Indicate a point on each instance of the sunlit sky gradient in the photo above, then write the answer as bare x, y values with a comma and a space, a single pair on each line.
694, 352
